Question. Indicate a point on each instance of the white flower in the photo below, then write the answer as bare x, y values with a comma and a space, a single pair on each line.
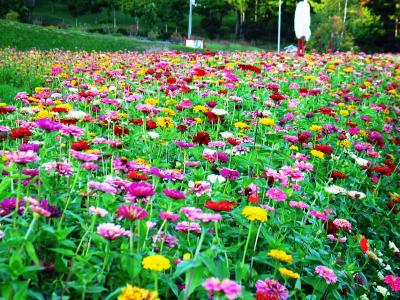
388, 268
356, 195
215, 178
219, 111
1, 234
266, 113
380, 276
361, 162
392, 246
153, 135
56, 95
335, 189
76, 114
73, 90
382, 290
226, 134
364, 297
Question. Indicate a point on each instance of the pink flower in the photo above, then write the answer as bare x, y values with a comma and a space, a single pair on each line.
103, 186
342, 224
168, 216
319, 215
111, 231
276, 194
83, 156
20, 157
188, 227
271, 289
326, 273
140, 189
174, 194
393, 282
98, 211
131, 212
299, 205
230, 288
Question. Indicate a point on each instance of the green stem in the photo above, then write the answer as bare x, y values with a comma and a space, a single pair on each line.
247, 243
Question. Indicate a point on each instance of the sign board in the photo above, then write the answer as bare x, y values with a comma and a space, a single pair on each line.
197, 44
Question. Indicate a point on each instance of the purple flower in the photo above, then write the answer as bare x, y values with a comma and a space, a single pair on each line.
29, 146
182, 144
326, 273
276, 194
229, 173
8, 205
271, 289
48, 125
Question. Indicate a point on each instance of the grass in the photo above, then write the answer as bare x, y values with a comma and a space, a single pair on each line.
24, 37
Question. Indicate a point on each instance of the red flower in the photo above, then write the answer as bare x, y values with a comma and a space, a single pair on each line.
213, 118
220, 206
201, 138
199, 72
181, 127
326, 111
171, 80
383, 170
390, 164
79, 146
364, 245
133, 175
338, 175
59, 109
249, 68
324, 148
331, 228
150, 124
136, 121
118, 130
20, 133
253, 198
277, 97
232, 141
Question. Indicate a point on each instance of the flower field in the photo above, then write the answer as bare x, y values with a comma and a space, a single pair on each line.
169, 175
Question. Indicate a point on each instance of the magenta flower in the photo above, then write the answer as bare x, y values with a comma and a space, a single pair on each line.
103, 186
131, 212
229, 173
111, 231
271, 289
83, 156
299, 205
393, 282
45, 209
48, 125
140, 190
20, 157
168, 216
276, 194
326, 273
174, 194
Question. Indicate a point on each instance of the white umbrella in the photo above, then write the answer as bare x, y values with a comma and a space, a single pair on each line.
302, 21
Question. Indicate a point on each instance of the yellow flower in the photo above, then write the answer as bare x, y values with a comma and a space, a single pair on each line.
151, 101
267, 121
344, 112
187, 256
315, 127
38, 89
309, 77
341, 104
362, 132
348, 70
2, 104
199, 120
351, 107
169, 112
367, 83
254, 213
170, 102
67, 107
122, 115
200, 108
134, 293
241, 125
293, 147
280, 255
318, 154
156, 263
43, 114
344, 143
289, 273
165, 122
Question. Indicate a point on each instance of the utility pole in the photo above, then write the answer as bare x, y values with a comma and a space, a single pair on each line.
191, 2
279, 26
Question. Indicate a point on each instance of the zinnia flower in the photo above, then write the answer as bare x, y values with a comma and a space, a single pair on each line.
111, 231
270, 289
326, 273
280, 255
131, 212
254, 213
134, 293
156, 263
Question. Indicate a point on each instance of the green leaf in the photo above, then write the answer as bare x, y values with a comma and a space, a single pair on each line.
30, 250
186, 266
66, 252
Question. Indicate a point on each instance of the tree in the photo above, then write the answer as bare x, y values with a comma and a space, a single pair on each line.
241, 7
212, 11
78, 8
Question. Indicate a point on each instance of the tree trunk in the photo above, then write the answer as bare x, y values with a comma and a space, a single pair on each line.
256, 11
396, 26
237, 28
242, 19
114, 17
